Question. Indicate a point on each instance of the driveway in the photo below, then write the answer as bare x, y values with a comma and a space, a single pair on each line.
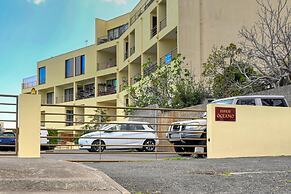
244, 175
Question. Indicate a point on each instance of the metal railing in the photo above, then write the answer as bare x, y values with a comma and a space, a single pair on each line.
29, 82
9, 117
85, 94
140, 11
66, 98
132, 50
136, 78
126, 55
102, 39
150, 69
166, 59
123, 85
105, 65
143, 132
107, 91
163, 23
154, 31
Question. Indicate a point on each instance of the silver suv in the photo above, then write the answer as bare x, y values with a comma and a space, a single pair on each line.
183, 132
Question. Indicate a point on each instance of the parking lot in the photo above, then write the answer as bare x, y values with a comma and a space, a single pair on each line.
180, 175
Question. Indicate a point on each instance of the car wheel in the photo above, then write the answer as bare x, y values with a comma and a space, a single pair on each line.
97, 146
149, 145
180, 150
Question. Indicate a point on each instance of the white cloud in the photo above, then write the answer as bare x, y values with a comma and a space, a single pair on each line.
36, 2
118, 2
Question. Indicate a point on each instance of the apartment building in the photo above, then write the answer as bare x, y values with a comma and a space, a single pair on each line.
155, 31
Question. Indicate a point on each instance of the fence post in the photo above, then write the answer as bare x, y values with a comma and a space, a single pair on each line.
28, 140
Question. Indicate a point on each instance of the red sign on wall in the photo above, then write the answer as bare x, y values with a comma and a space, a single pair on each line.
225, 114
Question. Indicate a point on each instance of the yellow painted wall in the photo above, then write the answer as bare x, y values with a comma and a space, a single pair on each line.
28, 140
258, 131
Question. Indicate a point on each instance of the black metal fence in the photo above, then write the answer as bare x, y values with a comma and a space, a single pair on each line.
9, 124
109, 133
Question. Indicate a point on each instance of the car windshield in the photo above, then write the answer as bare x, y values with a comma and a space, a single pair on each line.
7, 135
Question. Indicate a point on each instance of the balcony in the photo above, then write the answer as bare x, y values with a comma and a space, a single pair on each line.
106, 65
132, 50
66, 98
123, 85
140, 11
167, 59
104, 89
85, 94
136, 78
150, 69
29, 82
126, 55
154, 31
113, 34
163, 24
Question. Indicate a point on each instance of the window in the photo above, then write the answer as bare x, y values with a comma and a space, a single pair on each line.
80, 65
274, 102
69, 68
42, 75
69, 95
69, 117
223, 102
50, 98
246, 102
117, 32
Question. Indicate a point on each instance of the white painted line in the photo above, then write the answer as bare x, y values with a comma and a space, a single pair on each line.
259, 172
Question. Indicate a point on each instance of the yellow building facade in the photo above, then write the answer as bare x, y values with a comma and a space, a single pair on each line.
155, 31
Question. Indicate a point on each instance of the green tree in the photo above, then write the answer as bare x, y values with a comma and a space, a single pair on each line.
223, 72
98, 120
170, 86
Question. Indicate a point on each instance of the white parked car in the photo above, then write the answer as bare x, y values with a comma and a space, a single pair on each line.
123, 135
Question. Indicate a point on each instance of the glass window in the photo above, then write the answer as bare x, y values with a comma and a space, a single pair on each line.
8, 135
69, 68
42, 75
69, 96
246, 102
69, 117
230, 101
50, 98
80, 65
274, 102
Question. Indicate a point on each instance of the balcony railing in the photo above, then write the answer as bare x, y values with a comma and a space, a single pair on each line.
29, 82
85, 94
102, 39
105, 65
154, 31
126, 55
150, 69
123, 85
66, 98
140, 11
166, 59
105, 90
136, 78
163, 24
132, 50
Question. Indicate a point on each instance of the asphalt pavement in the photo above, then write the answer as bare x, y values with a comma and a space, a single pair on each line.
181, 175
42, 175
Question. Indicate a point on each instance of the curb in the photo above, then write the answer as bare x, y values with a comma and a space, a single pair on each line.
106, 178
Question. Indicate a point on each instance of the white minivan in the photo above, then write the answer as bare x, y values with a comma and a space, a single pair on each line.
122, 135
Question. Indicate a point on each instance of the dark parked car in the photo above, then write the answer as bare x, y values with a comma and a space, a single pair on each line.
7, 141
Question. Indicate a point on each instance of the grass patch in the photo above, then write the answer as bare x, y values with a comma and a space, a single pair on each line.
288, 181
227, 174
177, 158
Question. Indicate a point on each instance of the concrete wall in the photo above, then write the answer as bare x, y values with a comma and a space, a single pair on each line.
257, 131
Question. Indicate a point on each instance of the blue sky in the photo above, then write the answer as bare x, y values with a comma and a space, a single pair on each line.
33, 30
